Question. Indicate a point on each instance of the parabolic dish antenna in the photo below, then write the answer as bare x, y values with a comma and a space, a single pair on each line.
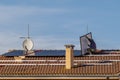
28, 44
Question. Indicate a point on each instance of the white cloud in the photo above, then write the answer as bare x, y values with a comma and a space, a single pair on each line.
11, 13
9, 40
50, 42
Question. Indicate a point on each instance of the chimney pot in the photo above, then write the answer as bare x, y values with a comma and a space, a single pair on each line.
69, 56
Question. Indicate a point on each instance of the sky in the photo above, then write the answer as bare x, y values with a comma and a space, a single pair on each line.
54, 23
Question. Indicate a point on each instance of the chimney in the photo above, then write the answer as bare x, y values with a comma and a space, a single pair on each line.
19, 58
69, 56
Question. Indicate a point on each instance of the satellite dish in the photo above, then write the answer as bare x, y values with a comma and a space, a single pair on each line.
28, 44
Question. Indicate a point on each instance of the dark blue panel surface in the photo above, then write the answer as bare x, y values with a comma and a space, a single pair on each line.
42, 53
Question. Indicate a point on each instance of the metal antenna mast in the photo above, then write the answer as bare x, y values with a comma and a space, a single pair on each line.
87, 28
27, 43
28, 32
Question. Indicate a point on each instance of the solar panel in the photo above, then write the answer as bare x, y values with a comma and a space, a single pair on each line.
42, 53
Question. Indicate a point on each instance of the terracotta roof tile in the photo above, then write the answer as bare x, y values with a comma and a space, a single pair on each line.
82, 67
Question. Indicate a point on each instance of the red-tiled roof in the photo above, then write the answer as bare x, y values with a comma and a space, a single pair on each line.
55, 66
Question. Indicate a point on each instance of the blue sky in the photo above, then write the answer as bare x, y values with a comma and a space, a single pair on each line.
54, 23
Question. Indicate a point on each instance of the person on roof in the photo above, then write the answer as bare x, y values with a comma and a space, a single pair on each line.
91, 45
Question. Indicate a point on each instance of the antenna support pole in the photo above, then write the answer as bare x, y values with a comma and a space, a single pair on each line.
87, 28
28, 32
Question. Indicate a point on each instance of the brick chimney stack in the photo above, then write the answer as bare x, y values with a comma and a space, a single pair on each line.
69, 56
